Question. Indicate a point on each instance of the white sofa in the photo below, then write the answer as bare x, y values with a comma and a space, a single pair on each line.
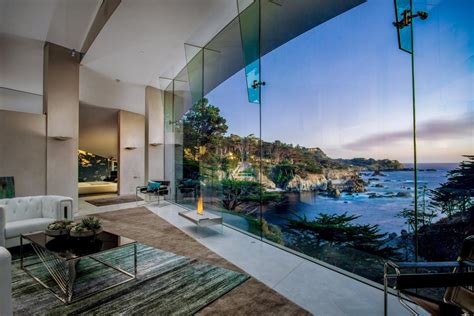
5, 283
30, 214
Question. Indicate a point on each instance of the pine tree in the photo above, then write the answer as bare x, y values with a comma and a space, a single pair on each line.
457, 194
339, 230
426, 214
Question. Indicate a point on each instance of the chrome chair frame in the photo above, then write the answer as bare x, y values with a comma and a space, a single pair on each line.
162, 191
426, 280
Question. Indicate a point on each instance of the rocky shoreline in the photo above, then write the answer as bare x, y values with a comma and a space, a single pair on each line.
332, 183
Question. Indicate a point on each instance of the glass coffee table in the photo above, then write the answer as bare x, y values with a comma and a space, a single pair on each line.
60, 257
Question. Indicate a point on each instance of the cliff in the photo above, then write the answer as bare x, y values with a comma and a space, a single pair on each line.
333, 179
291, 168
312, 182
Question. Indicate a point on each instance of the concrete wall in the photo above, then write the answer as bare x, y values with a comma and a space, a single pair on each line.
154, 134
21, 64
13, 100
23, 151
98, 130
132, 160
61, 103
21, 74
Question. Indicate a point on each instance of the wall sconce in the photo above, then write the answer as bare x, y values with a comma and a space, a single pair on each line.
155, 144
130, 148
61, 138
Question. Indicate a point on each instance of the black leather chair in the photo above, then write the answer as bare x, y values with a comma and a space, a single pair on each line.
459, 283
162, 191
188, 188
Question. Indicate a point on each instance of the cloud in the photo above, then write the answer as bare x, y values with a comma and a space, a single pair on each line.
438, 129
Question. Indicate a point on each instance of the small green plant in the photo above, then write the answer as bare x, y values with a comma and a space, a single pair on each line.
78, 228
60, 225
87, 224
91, 223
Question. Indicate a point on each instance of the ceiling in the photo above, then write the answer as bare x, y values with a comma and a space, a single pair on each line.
144, 39
63, 22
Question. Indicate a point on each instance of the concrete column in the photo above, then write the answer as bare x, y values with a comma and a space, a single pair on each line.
131, 152
61, 106
154, 134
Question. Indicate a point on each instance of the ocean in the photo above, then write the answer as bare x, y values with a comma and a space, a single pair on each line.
381, 210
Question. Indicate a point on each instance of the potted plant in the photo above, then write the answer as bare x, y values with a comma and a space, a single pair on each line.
88, 227
59, 228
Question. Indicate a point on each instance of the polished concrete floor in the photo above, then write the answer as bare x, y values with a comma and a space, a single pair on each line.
249, 298
315, 288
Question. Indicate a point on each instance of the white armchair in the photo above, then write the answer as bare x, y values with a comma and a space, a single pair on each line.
5, 283
29, 214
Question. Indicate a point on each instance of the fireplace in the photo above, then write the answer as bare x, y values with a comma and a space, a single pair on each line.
200, 206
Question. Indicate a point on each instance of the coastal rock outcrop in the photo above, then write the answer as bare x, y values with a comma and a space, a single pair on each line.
332, 190
340, 174
354, 185
378, 173
311, 182
267, 183
346, 180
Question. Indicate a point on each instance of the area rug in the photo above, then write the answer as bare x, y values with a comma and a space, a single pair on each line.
167, 284
114, 200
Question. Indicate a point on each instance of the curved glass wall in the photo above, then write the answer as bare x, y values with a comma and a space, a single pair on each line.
297, 122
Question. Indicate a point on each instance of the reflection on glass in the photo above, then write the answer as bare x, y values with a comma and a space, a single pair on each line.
403, 24
252, 74
249, 20
194, 70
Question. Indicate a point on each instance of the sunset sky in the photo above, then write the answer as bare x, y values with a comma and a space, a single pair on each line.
346, 87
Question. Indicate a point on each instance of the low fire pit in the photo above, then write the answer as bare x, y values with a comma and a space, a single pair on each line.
202, 218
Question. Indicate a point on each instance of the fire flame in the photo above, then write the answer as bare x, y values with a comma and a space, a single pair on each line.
200, 206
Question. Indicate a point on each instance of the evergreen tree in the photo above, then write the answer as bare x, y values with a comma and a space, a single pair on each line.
425, 216
237, 192
456, 195
203, 126
339, 230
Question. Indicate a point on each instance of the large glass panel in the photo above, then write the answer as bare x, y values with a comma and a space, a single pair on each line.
228, 165
169, 148
181, 103
194, 70
444, 67
213, 161
336, 99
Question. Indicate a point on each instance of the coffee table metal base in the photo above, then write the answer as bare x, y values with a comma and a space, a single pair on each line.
64, 273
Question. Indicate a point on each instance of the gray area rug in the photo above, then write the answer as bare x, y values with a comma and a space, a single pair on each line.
114, 200
167, 284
